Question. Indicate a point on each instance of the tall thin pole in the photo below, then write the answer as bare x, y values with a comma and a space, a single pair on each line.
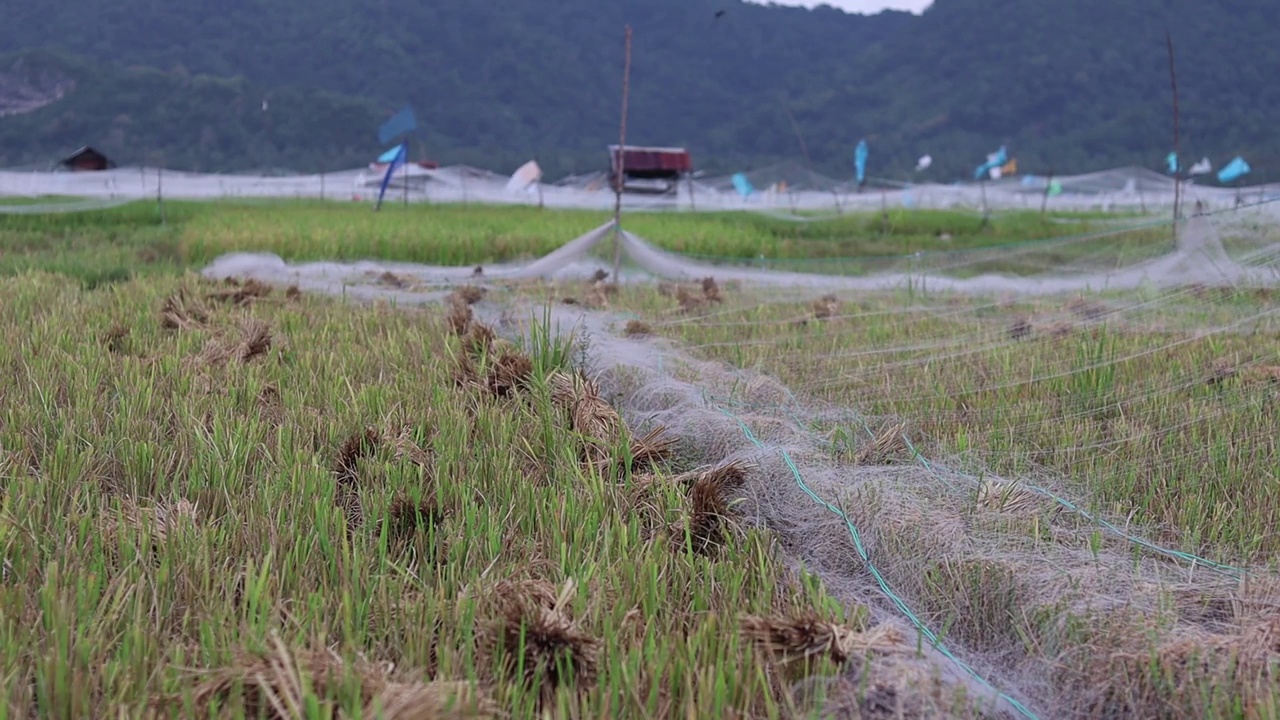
160, 193
620, 161
1048, 187
406, 173
795, 126
986, 214
1177, 183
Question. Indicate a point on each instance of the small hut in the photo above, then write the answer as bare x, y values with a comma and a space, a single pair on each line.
86, 159
649, 170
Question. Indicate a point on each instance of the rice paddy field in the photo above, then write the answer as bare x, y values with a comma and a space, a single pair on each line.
114, 244
580, 499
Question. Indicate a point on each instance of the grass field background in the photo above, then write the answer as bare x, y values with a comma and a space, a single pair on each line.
214, 491
118, 243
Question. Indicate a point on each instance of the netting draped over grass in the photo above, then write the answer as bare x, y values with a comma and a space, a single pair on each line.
228, 495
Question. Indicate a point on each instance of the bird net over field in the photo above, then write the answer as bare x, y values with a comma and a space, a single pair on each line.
784, 189
1049, 463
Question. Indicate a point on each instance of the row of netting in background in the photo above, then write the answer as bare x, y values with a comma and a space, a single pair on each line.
785, 190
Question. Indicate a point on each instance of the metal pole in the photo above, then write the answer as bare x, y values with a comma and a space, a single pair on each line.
620, 161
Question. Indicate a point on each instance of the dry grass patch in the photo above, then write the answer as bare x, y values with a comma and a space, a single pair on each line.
182, 312
241, 293
283, 684
537, 640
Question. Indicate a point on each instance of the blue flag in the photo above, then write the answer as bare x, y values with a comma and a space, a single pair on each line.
742, 185
399, 124
401, 154
390, 155
1237, 168
860, 162
994, 160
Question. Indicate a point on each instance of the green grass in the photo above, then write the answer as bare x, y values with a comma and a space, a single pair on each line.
111, 412
107, 245
1157, 412
1154, 409
1123, 407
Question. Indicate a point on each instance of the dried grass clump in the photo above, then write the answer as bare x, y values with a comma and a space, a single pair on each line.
271, 405
534, 635
391, 279
1020, 329
271, 685
406, 448
181, 312
600, 275
596, 422
161, 521
406, 518
359, 445
459, 316
293, 293
1009, 497
688, 301
826, 307
1060, 330
244, 294
881, 449
1086, 309
807, 637
598, 295
708, 514
1265, 373
650, 449
511, 372
346, 492
711, 291
637, 328
465, 374
255, 341
478, 340
116, 339
727, 477
468, 294
1220, 371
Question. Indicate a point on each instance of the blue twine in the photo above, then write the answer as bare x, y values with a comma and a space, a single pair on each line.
875, 572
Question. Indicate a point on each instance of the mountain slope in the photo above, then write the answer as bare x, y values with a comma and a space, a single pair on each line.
1076, 86
176, 120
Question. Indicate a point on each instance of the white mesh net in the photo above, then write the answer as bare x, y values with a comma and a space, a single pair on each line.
786, 190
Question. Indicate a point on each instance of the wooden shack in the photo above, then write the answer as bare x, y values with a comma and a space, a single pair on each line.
648, 170
86, 159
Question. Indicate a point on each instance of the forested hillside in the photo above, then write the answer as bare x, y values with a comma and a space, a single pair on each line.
1077, 86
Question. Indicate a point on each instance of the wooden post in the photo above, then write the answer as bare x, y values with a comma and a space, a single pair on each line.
621, 160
